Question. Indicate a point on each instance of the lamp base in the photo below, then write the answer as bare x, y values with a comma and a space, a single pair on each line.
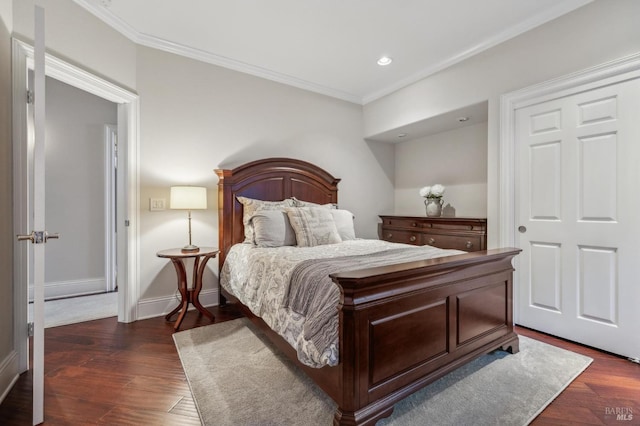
190, 249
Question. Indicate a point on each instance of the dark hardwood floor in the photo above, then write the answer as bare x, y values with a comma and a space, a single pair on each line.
104, 372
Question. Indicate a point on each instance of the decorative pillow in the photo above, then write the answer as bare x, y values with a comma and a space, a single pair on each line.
251, 206
344, 223
271, 228
313, 226
300, 203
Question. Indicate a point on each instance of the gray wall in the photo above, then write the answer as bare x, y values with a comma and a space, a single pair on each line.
6, 202
197, 117
75, 188
596, 33
456, 159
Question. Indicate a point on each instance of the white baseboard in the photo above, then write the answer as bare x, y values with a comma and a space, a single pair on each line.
8, 374
159, 306
59, 289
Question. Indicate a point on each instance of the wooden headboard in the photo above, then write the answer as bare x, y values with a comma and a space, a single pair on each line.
271, 179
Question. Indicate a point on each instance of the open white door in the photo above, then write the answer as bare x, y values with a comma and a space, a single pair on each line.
38, 235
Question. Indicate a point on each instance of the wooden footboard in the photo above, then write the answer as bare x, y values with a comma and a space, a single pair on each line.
404, 326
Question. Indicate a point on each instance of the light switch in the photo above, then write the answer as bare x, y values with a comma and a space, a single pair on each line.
157, 204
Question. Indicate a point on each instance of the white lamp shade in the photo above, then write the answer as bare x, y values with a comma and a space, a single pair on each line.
188, 197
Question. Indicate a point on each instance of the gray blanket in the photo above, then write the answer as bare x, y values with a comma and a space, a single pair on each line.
314, 295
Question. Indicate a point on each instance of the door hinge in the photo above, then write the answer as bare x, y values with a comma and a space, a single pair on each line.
30, 97
30, 329
126, 222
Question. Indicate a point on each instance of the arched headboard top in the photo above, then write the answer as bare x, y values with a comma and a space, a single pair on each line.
278, 165
271, 179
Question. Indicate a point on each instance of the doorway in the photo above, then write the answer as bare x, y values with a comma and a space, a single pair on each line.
127, 187
79, 178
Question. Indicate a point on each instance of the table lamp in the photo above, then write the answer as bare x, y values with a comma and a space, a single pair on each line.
189, 198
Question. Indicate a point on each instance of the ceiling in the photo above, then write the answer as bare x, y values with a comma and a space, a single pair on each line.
328, 46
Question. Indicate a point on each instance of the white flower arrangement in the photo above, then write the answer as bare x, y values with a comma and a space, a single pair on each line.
435, 191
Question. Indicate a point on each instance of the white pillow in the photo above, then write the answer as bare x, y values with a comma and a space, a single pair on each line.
313, 226
344, 223
271, 228
251, 206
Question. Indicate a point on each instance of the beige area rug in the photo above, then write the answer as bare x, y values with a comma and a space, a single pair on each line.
238, 378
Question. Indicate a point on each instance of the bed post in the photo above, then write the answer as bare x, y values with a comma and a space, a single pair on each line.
224, 231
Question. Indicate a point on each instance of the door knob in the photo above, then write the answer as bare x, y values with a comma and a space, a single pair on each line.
522, 229
38, 237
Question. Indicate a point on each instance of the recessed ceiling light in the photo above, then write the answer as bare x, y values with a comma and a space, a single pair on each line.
463, 119
385, 60
402, 135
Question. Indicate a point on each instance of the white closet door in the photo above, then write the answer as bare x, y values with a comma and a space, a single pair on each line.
578, 213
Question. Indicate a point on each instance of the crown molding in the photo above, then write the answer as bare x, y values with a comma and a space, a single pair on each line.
222, 61
179, 49
508, 33
109, 18
132, 34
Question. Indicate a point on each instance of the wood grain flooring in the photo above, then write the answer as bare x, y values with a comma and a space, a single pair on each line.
106, 373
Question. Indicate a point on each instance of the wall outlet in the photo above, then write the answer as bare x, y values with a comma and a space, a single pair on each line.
157, 204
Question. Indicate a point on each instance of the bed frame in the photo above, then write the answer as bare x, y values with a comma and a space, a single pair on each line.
401, 326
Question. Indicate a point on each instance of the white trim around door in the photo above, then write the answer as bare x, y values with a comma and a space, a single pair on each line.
127, 179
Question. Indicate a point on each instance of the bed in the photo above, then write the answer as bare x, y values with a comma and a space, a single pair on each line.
400, 326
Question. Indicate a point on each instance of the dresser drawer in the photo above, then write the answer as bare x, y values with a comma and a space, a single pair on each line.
407, 224
466, 243
468, 234
406, 237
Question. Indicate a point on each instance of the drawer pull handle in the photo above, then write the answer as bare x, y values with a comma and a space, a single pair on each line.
414, 224
431, 241
469, 244
413, 238
389, 235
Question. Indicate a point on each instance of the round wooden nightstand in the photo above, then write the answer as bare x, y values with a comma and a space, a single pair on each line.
189, 295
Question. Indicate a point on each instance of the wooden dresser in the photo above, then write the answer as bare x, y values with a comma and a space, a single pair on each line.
468, 234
